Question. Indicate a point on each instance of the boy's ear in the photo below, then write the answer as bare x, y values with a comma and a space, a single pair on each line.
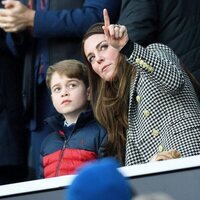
88, 93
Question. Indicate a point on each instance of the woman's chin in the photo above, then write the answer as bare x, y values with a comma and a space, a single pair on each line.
109, 77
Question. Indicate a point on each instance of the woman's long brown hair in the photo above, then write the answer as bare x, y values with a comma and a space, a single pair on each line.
110, 100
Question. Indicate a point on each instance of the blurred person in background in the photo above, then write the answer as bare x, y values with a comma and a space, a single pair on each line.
100, 180
13, 134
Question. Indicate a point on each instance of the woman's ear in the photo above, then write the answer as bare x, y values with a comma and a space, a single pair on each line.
88, 93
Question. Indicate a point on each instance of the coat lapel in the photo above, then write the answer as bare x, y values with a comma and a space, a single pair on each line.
133, 89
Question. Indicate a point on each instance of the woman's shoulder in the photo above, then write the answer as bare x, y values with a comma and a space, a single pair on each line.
160, 47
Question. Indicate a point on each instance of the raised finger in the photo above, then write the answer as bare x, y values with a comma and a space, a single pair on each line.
106, 23
106, 18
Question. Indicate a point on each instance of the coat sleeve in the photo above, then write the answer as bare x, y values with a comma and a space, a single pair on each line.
159, 64
140, 17
73, 22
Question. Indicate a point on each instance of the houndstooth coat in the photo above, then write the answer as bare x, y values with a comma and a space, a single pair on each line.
164, 112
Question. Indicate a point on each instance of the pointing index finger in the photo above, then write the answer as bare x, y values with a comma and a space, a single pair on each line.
106, 18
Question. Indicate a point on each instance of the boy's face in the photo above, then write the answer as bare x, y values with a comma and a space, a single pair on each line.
69, 96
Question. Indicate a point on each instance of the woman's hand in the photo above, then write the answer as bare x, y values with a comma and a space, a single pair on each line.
116, 35
166, 155
16, 16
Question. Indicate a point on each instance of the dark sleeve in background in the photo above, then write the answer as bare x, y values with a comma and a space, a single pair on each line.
140, 17
74, 22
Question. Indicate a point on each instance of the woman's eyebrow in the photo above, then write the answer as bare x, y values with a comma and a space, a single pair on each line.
97, 47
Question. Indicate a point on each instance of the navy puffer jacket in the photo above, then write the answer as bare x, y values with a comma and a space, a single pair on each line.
66, 149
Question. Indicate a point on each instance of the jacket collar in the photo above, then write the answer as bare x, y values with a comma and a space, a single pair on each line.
57, 121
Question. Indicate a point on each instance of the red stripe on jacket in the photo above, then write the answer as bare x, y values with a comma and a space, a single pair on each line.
65, 162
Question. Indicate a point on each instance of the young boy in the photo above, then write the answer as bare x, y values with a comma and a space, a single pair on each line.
78, 137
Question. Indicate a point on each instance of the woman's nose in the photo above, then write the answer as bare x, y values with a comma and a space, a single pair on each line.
99, 58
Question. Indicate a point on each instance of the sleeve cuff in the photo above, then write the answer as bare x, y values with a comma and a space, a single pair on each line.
128, 49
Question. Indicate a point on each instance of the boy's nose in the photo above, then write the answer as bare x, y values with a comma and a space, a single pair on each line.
65, 93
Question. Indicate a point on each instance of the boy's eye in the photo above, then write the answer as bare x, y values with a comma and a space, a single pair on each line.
56, 90
71, 85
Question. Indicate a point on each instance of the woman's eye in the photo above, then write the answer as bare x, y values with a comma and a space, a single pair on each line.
104, 46
90, 59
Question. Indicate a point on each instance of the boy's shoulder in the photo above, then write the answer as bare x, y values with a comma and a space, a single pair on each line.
93, 129
55, 122
95, 124
52, 136
87, 119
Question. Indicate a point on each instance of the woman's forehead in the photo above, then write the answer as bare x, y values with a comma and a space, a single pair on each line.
92, 41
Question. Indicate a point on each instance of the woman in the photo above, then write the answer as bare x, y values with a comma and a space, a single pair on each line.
143, 98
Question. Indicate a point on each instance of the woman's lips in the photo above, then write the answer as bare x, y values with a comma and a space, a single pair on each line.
105, 68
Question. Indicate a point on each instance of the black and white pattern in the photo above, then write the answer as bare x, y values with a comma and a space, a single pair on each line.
164, 112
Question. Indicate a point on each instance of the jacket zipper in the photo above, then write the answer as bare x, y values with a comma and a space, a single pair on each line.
60, 158
62, 152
